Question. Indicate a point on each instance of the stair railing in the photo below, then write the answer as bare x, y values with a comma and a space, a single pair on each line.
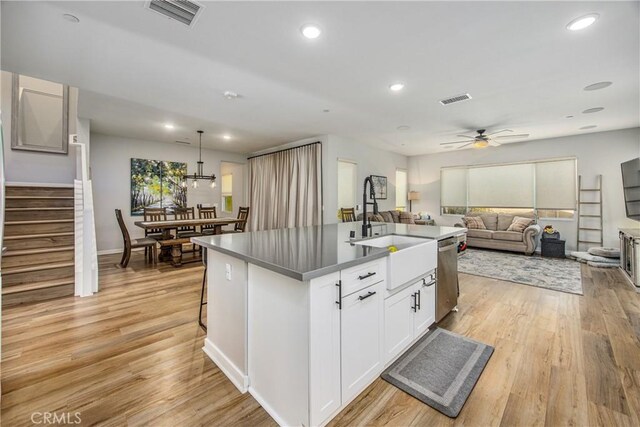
86, 255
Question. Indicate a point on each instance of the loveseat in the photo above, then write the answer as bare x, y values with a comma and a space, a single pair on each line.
496, 236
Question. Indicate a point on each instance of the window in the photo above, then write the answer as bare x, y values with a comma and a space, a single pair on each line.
227, 193
401, 189
347, 179
548, 186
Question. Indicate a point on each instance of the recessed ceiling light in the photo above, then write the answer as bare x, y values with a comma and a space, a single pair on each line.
231, 95
71, 18
227, 137
310, 31
403, 127
588, 127
582, 22
592, 110
396, 86
599, 85
169, 126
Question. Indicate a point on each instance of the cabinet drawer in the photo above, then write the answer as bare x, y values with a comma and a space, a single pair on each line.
361, 276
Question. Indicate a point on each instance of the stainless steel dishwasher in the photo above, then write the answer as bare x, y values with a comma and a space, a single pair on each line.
447, 277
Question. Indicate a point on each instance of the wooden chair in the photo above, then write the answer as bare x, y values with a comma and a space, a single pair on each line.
348, 214
243, 214
145, 242
154, 214
207, 213
186, 231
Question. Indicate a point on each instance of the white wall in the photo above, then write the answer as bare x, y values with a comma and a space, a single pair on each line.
27, 166
111, 168
597, 153
370, 161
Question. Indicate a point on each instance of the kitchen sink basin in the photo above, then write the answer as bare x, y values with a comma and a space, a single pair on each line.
413, 257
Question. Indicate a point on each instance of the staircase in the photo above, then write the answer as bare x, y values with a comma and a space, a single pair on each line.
38, 263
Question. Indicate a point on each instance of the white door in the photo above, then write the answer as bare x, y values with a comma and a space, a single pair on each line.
426, 302
361, 319
398, 322
324, 375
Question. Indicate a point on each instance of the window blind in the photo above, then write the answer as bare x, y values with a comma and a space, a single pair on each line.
227, 184
346, 184
505, 186
556, 184
401, 188
453, 187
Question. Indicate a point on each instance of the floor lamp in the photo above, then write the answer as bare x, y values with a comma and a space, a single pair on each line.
413, 195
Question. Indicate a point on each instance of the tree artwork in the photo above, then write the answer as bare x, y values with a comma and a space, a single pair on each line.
157, 184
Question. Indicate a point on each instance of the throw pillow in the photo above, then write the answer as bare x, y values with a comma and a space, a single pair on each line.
387, 216
474, 223
519, 224
377, 218
406, 218
396, 216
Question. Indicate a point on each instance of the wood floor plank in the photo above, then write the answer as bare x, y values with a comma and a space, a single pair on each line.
132, 356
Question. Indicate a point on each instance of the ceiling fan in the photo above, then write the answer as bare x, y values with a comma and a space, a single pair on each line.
482, 140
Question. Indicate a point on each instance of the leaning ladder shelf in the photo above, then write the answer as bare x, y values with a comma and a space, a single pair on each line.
593, 204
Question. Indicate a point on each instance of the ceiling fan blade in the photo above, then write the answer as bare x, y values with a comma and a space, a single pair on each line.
465, 145
455, 142
500, 131
466, 136
521, 135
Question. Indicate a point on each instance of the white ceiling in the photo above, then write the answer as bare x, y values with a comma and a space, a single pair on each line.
138, 70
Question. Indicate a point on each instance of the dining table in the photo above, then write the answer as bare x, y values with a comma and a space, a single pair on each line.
170, 244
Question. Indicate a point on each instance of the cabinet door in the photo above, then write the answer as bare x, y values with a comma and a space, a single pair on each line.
324, 356
398, 322
426, 313
361, 319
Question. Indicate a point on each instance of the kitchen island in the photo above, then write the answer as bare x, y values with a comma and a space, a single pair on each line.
306, 318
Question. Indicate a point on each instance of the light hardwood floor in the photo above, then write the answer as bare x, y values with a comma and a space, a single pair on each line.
131, 355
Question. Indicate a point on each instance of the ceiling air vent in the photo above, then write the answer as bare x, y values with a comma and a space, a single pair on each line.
455, 99
183, 142
184, 11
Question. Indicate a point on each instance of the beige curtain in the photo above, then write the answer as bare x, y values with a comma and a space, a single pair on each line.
286, 188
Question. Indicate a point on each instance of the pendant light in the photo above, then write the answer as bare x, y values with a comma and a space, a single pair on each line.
199, 174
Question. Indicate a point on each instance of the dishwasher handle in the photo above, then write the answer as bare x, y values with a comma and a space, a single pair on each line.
448, 248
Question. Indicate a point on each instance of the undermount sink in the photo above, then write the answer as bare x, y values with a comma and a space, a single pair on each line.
413, 257
401, 242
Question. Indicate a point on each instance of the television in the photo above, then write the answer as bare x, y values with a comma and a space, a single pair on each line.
631, 186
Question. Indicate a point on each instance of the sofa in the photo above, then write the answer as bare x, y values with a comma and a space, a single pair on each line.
396, 217
496, 236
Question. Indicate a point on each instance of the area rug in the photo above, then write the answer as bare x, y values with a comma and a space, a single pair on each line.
550, 273
440, 370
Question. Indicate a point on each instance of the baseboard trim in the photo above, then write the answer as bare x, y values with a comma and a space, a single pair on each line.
267, 408
116, 251
240, 380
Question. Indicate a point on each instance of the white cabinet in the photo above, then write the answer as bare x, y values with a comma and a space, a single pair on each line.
324, 355
361, 326
407, 315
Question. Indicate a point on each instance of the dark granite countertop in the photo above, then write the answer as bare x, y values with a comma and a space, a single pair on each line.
308, 252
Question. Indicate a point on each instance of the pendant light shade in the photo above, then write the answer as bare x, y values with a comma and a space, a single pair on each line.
199, 174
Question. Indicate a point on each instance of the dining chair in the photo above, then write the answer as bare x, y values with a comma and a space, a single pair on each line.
151, 250
348, 214
154, 214
207, 213
239, 227
186, 231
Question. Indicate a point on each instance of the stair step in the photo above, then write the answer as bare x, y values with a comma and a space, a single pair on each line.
590, 229
50, 240
590, 216
31, 268
37, 285
590, 189
38, 191
37, 251
36, 256
589, 203
38, 202
38, 291
38, 197
39, 213
38, 227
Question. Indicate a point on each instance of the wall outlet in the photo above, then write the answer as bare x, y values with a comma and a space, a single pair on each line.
227, 271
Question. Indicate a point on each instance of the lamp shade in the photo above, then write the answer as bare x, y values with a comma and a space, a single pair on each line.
414, 195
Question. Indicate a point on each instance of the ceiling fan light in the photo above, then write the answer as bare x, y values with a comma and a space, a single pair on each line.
481, 143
